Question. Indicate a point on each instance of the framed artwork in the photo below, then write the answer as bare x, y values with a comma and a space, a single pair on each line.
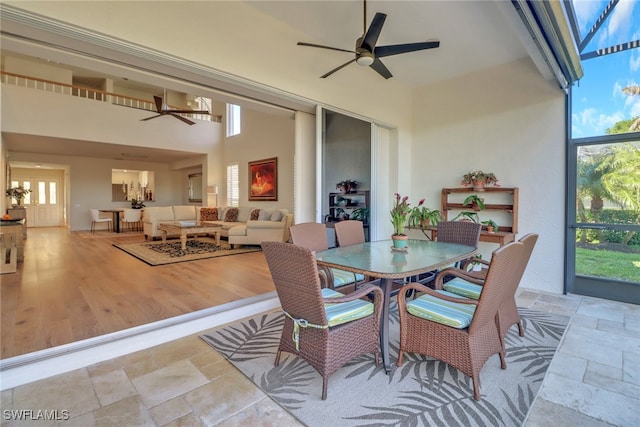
263, 179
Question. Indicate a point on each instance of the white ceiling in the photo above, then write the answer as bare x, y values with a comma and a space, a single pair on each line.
473, 35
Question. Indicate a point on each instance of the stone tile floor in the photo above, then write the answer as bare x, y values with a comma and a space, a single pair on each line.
594, 380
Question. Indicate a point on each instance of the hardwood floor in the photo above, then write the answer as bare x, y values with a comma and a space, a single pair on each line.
71, 287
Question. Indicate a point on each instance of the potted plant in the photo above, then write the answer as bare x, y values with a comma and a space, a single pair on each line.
479, 179
137, 204
492, 227
341, 214
399, 214
474, 202
467, 216
347, 186
360, 214
422, 216
18, 193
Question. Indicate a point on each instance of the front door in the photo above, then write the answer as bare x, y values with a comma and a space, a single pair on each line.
44, 205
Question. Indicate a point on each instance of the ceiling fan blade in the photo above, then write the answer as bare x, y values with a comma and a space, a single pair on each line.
325, 47
152, 117
338, 68
188, 111
381, 69
158, 101
184, 119
371, 38
397, 49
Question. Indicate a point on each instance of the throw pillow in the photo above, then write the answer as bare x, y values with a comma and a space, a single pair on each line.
255, 214
265, 214
208, 214
277, 216
231, 215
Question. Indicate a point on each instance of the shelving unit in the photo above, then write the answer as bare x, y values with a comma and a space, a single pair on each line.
501, 205
348, 202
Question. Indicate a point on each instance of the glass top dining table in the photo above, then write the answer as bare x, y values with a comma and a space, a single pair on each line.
379, 260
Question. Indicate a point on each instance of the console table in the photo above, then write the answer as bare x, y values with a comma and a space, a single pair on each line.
19, 213
11, 244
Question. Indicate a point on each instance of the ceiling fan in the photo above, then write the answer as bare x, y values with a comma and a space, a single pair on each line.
366, 51
164, 110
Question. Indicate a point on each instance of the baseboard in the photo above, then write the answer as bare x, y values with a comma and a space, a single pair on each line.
46, 363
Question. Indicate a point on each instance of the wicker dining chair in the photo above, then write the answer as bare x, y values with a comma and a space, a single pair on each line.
322, 326
459, 331
460, 232
313, 236
469, 284
349, 232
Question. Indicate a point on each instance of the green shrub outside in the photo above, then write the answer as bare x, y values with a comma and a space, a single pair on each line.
614, 216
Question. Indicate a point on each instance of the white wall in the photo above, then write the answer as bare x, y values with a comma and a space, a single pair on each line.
509, 121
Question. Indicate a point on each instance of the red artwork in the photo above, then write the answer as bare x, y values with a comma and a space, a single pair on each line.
263, 179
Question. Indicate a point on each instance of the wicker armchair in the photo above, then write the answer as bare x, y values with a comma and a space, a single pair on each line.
466, 332
469, 284
322, 326
313, 236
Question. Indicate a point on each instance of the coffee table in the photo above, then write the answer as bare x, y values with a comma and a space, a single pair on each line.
185, 228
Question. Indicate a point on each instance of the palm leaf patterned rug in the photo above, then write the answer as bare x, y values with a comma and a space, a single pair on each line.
422, 392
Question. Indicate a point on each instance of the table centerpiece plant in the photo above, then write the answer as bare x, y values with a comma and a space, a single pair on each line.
400, 212
479, 179
18, 193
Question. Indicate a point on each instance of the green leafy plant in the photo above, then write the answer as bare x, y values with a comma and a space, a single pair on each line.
490, 223
360, 214
474, 202
466, 215
421, 216
137, 204
347, 185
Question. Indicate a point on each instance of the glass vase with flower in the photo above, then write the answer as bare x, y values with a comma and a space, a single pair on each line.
18, 194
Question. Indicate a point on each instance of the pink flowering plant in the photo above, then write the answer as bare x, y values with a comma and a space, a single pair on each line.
18, 193
399, 214
477, 175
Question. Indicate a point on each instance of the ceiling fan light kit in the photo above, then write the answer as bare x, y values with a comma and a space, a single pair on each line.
367, 53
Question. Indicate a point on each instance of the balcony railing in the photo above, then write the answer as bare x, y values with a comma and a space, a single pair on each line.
20, 80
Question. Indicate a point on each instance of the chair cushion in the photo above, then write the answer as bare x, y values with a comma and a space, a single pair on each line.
342, 278
462, 287
344, 312
437, 310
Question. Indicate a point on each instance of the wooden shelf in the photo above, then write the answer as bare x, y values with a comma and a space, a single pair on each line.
497, 200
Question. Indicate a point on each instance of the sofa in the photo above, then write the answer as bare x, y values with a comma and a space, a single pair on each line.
250, 225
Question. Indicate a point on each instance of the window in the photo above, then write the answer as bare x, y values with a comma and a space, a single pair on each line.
233, 185
233, 120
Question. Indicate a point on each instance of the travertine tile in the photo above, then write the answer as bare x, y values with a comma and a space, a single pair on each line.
631, 367
112, 387
207, 358
547, 414
223, 397
265, 413
168, 382
129, 412
72, 391
121, 362
181, 349
170, 411
216, 370
568, 365
189, 420
6, 401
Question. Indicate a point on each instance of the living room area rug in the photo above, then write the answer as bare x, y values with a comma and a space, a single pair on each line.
422, 392
159, 253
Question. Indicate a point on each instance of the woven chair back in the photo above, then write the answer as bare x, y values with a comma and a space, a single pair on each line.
310, 235
503, 276
295, 275
461, 232
349, 232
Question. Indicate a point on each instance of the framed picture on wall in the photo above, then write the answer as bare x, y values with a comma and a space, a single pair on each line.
263, 179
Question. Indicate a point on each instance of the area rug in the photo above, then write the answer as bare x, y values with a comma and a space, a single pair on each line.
422, 392
159, 253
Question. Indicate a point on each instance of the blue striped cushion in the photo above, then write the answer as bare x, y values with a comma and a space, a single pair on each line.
464, 288
344, 312
447, 313
342, 278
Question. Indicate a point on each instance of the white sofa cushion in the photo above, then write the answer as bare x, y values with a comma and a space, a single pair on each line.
184, 213
244, 213
157, 213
